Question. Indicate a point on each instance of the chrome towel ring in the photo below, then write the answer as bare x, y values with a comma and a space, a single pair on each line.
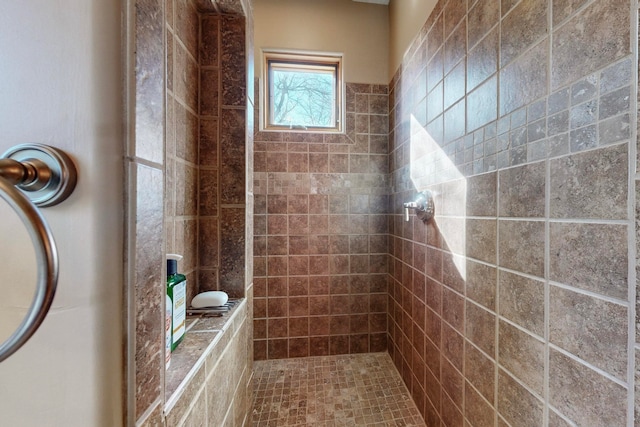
47, 176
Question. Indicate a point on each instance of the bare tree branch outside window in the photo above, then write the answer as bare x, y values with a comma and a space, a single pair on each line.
302, 92
303, 98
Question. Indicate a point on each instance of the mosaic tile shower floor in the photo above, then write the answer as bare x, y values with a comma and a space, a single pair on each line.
345, 390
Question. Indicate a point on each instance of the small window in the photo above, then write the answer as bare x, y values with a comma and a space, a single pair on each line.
302, 92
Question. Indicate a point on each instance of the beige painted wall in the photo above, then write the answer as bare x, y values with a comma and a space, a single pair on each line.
406, 18
61, 85
359, 30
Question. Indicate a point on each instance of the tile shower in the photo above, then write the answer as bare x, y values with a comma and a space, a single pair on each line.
517, 301
518, 298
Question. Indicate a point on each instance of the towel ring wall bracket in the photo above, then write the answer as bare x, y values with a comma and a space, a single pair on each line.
45, 174
36, 175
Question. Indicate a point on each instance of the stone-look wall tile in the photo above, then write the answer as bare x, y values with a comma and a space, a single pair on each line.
481, 239
480, 372
583, 395
590, 185
186, 145
454, 11
480, 328
516, 404
522, 355
187, 25
637, 388
523, 27
232, 241
186, 243
452, 384
186, 125
522, 301
233, 157
615, 129
507, 5
482, 105
562, 9
186, 198
555, 420
592, 257
208, 244
208, 146
453, 229
481, 195
209, 54
208, 193
242, 401
454, 122
481, 284
455, 45
522, 246
583, 114
454, 88
451, 414
523, 81
477, 409
169, 64
522, 191
170, 194
453, 309
224, 377
590, 328
186, 74
614, 103
233, 61
435, 35
149, 261
574, 55
193, 392
149, 96
482, 59
615, 76
483, 15
155, 418
209, 96
434, 83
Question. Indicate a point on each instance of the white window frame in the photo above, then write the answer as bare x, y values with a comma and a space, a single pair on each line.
303, 60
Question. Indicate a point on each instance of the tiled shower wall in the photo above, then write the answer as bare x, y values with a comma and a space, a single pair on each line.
206, 153
515, 304
207, 143
321, 235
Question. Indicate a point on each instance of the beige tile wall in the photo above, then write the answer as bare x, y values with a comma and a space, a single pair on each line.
513, 305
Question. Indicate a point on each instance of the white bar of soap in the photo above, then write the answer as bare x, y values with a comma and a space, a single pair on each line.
210, 299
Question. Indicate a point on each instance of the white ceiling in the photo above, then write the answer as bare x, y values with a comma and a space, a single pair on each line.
385, 2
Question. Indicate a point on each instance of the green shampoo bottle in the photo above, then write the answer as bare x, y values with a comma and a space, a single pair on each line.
177, 292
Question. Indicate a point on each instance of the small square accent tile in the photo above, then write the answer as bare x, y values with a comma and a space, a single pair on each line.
353, 390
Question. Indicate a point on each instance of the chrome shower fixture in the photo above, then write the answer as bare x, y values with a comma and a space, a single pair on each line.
422, 205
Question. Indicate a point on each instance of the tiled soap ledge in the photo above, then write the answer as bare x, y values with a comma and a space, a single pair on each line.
203, 334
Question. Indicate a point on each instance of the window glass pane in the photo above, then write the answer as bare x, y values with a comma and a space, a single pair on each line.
302, 97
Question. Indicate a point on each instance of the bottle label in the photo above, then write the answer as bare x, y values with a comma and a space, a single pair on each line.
179, 310
167, 330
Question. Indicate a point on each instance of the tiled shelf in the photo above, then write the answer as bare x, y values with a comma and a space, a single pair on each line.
204, 336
